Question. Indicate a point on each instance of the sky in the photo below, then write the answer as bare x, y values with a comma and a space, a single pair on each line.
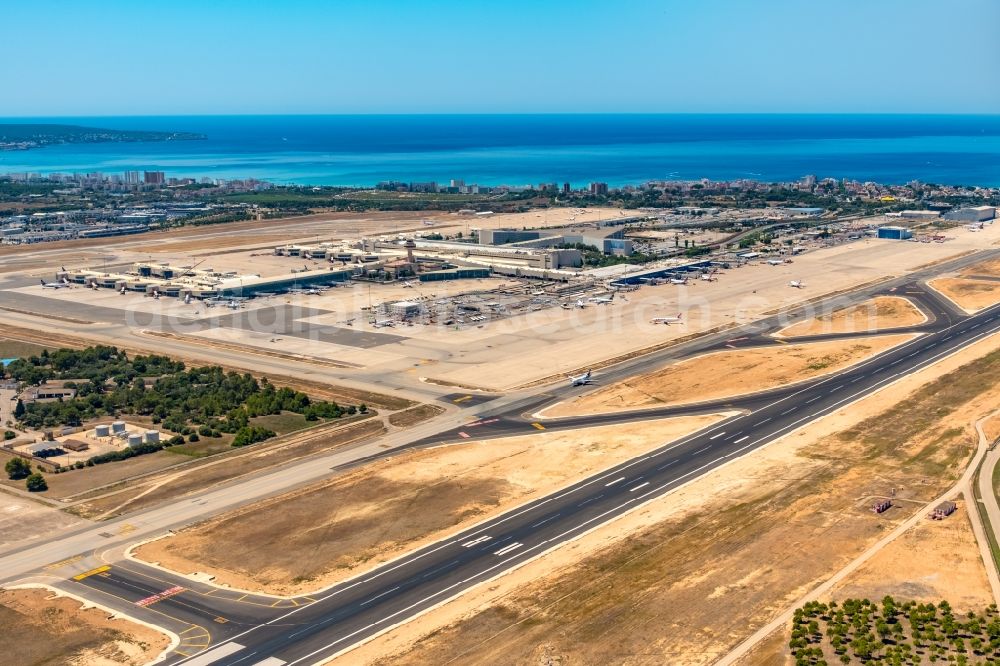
113, 57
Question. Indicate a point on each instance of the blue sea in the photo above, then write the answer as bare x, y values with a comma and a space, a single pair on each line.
619, 149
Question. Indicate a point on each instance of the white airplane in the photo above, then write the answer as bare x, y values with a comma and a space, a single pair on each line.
580, 380
580, 304
61, 284
774, 262
408, 284
668, 320
187, 299
678, 280
708, 277
798, 284
234, 305
603, 300
123, 290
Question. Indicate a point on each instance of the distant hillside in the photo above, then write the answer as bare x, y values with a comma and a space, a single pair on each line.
16, 136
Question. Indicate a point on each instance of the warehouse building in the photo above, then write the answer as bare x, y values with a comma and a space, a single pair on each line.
976, 214
895, 233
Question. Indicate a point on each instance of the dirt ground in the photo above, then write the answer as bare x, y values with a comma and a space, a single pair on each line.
992, 428
18, 349
991, 268
970, 295
873, 315
39, 629
22, 520
949, 567
684, 579
414, 415
172, 484
727, 374
333, 530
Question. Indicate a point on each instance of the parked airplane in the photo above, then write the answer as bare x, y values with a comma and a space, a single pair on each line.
798, 284
61, 284
709, 277
668, 320
681, 280
774, 262
603, 300
408, 284
187, 299
580, 380
580, 304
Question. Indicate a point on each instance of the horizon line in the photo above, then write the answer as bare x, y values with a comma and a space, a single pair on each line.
517, 113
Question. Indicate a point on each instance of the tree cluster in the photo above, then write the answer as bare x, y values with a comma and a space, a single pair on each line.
193, 402
893, 633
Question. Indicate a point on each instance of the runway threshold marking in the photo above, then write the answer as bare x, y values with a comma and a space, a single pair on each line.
538, 426
271, 661
92, 572
470, 544
463, 434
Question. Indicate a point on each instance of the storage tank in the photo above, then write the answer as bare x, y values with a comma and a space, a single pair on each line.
152, 436
135, 440
102, 430
118, 427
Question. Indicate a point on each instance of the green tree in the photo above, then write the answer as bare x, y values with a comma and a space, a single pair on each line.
19, 409
35, 483
9, 434
17, 468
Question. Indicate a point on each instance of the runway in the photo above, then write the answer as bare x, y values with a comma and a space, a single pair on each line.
229, 627
361, 608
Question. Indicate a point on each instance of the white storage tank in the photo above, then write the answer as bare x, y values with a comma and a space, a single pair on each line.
102, 430
135, 440
152, 436
118, 427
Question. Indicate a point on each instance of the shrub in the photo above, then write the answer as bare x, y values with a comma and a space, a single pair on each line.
17, 468
35, 483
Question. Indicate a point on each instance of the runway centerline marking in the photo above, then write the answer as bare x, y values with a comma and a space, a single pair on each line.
641, 485
741, 439
378, 596
718, 435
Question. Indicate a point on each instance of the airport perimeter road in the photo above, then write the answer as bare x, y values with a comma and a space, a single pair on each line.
370, 604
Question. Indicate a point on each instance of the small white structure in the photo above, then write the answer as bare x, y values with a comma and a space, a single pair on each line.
135, 439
